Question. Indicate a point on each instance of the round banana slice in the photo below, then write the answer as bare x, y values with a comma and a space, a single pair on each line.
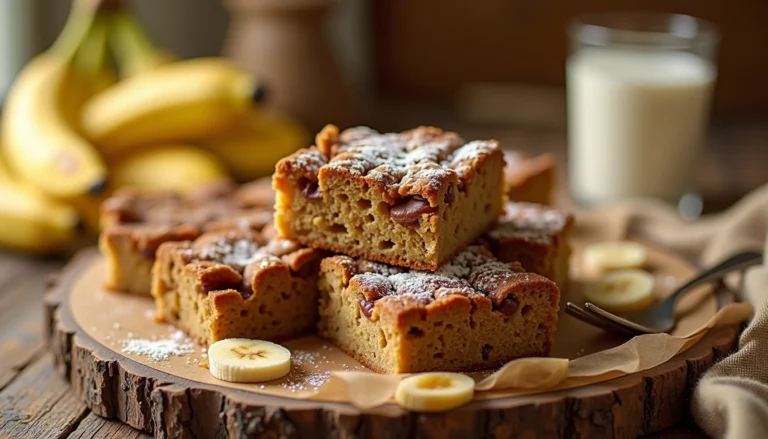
622, 291
435, 391
615, 255
240, 360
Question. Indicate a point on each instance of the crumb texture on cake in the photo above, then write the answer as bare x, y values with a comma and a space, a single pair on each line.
413, 198
475, 312
235, 283
136, 223
536, 236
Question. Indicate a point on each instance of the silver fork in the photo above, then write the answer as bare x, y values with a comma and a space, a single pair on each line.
660, 318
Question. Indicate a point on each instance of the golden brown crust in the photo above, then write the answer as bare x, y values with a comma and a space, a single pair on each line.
136, 223
534, 235
424, 161
236, 284
521, 166
529, 179
530, 222
214, 258
212, 206
474, 313
399, 198
475, 274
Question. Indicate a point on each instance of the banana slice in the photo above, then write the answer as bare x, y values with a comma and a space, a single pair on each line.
240, 360
622, 291
615, 255
435, 391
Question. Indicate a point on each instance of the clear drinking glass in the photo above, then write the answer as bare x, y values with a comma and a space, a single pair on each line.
639, 91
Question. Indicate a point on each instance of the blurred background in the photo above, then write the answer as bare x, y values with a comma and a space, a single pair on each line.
490, 69
486, 69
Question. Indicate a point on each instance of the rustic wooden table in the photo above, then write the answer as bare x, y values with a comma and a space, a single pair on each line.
36, 403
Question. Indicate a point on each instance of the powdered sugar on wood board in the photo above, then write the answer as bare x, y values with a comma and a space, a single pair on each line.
160, 349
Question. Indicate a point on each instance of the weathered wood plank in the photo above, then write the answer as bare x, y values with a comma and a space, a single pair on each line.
39, 404
96, 427
22, 286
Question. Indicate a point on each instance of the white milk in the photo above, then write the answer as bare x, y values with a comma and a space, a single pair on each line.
636, 121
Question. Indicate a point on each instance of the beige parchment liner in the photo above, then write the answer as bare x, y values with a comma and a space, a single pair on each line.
582, 354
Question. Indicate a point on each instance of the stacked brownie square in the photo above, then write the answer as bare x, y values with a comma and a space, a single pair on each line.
400, 248
136, 223
409, 292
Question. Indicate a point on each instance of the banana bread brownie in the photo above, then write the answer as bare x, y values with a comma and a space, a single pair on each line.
136, 223
474, 313
529, 179
235, 284
412, 199
536, 236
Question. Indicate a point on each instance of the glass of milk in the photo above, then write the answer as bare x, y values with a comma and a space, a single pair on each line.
639, 91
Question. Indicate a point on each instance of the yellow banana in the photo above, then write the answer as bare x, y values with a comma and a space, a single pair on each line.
253, 148
32, 222
39, 140
178, 168
174, 102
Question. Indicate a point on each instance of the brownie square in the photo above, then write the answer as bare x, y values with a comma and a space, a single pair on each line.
236, 284
536, 236
136, 223
474, 313
413, 199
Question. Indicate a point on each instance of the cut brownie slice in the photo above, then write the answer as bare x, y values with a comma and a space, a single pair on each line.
136, 223
234, 284
529, 179
536, 236
412, 199
474, 313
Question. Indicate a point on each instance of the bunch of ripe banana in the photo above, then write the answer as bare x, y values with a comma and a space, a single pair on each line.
74, 130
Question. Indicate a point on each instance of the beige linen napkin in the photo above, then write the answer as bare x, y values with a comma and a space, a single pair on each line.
731, 400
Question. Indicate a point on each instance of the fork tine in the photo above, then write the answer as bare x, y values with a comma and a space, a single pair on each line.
601, 313
576, 311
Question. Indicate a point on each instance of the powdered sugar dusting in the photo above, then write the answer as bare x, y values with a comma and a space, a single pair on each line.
530, 222
425, 156
310, 160
472, 272
464, 158
176, 344
306, 371
227, 249
238, 252
421, 285
248, 207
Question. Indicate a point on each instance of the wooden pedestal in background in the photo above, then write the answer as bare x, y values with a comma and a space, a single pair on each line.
283, 42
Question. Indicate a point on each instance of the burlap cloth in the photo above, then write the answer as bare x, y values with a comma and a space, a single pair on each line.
731, 400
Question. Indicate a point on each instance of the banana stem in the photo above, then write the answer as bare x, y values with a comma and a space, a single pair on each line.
134, 50
91, 54
81, 17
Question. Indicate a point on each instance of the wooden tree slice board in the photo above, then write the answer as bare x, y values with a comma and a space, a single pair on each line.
115, 386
